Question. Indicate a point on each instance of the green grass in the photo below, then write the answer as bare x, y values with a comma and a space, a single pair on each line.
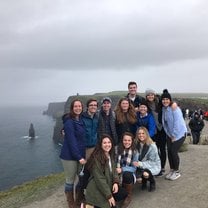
28, 192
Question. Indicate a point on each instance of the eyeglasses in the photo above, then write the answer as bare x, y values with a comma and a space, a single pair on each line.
93, 105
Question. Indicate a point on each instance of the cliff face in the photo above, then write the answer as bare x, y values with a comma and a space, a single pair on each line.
54, 109
185, 101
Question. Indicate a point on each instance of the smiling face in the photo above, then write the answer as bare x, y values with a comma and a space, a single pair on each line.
143, 109
150, 97
106, 145
142, 135
106, 106
125, 105
127, 141
92, 107
132, 89
166, 102
77, 108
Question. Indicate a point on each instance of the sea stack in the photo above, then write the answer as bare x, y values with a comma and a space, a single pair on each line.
31, 131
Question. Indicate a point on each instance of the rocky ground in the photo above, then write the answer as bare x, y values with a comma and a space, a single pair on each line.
189, 191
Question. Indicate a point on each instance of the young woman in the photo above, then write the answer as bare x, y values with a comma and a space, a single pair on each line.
148, 164
146, 119
175, 128
103, 186
127, 154
155, 107
125, 118
73, 149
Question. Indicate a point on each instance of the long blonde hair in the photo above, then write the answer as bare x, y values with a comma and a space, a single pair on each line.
148, 139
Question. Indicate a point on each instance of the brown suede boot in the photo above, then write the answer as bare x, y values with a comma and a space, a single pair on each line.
127, 200
70, 199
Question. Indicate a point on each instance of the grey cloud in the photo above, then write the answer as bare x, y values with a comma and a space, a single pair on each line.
73, 36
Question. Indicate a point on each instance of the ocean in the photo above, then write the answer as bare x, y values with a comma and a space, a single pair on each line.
23, 158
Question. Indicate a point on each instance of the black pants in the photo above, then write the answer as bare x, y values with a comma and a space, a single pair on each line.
173, 148
128, 177
161, 142
195, 136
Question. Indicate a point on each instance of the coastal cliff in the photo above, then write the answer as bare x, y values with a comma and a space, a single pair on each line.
54, 109
192, 101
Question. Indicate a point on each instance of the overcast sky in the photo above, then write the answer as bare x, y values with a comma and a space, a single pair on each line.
50, 49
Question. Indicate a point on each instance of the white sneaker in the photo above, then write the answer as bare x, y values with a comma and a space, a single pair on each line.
169, 175
175, 176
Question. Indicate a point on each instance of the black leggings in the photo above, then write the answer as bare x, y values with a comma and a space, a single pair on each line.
160, 139
173, 148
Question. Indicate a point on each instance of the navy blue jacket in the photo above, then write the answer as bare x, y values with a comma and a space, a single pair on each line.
74, 141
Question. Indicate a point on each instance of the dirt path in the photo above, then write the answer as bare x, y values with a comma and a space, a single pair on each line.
189, 191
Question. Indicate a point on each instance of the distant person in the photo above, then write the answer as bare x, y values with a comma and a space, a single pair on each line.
201, 113
125, 118
132, 95
196, 124
187, 113
175, 128
145, 118
127, 154
155, 106
73, 149
107, 118
148, 164
103, 187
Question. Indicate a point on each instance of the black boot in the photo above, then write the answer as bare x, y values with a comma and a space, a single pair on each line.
144, 184
152, 186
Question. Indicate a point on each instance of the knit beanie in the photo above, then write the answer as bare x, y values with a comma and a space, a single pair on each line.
166, 94
149, 91
143, 102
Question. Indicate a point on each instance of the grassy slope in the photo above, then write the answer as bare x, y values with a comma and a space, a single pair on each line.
31, 191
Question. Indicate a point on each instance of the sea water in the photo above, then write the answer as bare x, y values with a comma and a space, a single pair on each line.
23, 158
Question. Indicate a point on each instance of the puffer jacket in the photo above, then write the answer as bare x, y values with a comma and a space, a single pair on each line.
74, 141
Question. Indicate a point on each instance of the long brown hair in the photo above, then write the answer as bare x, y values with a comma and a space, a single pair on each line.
131, 113
99, 154
71, 113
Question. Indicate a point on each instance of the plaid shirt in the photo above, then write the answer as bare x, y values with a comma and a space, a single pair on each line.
125, 159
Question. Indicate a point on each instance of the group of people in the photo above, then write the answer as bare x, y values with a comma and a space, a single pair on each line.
120, 147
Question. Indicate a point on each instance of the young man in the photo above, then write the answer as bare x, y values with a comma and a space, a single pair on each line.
106, 124
132, 95
90, 119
